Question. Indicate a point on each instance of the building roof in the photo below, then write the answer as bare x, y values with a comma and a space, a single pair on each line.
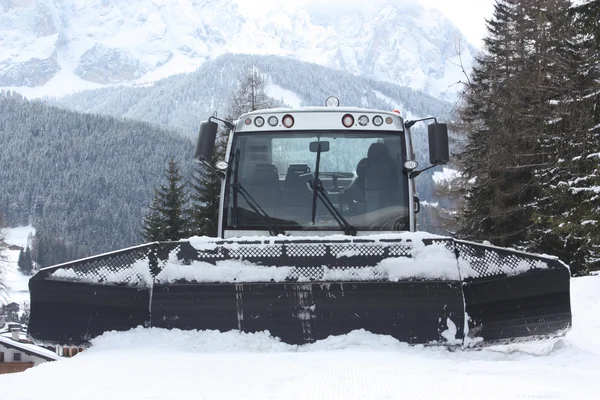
30, 349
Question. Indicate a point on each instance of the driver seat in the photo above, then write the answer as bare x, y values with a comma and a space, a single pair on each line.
296, 197
379, 180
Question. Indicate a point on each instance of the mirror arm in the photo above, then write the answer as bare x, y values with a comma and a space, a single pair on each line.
413, 174
408, 124
228, 124
218, 172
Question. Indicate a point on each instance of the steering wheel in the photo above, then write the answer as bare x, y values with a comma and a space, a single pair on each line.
335, 176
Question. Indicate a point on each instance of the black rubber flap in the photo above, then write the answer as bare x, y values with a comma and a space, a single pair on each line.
297, 313
71, 313
535, 304
513, 296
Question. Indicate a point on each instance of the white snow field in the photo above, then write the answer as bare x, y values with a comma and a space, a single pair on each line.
17, 283
156, 364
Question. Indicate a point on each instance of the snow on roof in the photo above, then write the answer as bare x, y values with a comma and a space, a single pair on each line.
30, 349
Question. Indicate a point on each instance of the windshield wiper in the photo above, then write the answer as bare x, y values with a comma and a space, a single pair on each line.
319, 191
237, 187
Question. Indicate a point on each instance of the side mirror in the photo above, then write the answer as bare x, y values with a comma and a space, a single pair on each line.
206, 142
439, 151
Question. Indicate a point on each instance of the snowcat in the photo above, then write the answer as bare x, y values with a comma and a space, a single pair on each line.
317, 237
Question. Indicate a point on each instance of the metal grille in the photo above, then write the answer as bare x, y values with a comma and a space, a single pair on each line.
357, 249
306, 274
217, 254
312, 274
311, 260
253, 251
483, 261
133, 266
306, 250
399, 250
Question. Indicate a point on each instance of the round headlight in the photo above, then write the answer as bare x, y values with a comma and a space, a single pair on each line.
259, 121
288, 121
248, 121
377, 120
348, 120
273, 121
363, 120
221, 165
389, 120
411, 164
332, 101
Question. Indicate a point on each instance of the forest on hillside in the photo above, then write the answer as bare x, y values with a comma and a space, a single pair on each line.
83, 178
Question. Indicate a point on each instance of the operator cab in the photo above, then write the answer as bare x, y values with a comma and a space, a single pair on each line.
315, 171
355, 155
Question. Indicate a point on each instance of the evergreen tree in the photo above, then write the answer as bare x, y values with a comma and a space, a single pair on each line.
48, 248
29, 261
251, 93
168, 216
567, 221
25, 263
21, 261
507, 107
10, 312
153, 225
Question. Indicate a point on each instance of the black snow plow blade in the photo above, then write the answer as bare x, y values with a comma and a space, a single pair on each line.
424, 291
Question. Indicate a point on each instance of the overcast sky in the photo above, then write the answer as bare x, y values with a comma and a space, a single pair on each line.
468, 15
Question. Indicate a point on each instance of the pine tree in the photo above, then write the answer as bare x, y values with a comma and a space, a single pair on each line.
153, 225
251, 95
29, 261
567, 222
49, 249
168, 216
25, 263
21, 261
506, 109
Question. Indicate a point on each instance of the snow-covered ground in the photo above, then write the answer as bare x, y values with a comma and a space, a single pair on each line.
167, 365
17, 283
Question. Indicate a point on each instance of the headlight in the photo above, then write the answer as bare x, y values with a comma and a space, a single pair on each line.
348, 120
221, 165
411, 165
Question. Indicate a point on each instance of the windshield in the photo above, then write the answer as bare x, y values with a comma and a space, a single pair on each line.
361, 173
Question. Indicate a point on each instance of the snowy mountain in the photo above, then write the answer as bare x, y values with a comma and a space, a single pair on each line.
55, 47
182, 101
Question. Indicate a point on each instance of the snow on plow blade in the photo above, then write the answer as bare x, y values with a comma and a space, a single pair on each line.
425, 291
